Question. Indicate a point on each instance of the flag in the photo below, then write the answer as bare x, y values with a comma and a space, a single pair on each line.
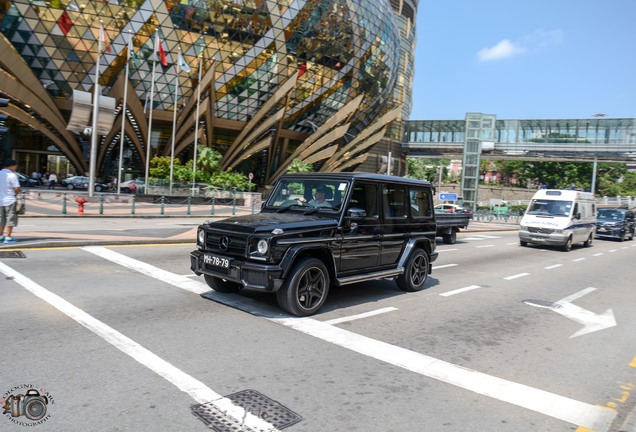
182, 63
302, 69
131, 50
102, 36
159, 49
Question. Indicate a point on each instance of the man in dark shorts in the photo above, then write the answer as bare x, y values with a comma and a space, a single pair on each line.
9, 190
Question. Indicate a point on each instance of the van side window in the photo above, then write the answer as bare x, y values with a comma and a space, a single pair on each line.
365, 196
419, 202
393, 199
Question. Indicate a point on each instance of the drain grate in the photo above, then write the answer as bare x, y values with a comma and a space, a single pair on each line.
12, 254
252, 401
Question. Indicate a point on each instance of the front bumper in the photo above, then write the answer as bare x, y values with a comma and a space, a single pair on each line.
253, 276
610, 232
552, 239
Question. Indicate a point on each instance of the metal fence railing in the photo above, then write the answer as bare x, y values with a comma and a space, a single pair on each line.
62, 203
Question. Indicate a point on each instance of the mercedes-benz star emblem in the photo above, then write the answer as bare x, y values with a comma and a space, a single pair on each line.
224, 243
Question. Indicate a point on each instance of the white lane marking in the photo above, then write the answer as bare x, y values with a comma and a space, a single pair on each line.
566, 409
625, 247
446, 250
485, 246
579, 259
598, 254
473, 238
613, 250
563, 408
460, 290
553, 266
184, 382
513, 243
486, 236
443, 266
360, 316
517, 276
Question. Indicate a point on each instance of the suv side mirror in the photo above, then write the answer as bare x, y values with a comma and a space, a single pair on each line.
356, 213
577, 216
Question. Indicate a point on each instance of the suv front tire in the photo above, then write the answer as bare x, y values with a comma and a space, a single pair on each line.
305, 289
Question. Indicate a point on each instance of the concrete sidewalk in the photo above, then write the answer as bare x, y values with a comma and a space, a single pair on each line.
41, 231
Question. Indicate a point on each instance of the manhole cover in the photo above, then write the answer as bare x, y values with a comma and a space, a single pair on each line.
12, 254
252, 401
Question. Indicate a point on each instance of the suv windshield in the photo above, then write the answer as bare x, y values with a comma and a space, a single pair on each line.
544, 207
615, 215
308, 194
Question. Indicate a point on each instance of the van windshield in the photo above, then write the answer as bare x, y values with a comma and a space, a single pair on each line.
543, 207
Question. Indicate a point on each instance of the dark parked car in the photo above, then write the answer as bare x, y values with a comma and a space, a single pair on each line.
26, 181
615, 223
81, 182
316, 231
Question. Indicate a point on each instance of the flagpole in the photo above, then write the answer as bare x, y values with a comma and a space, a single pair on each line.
152, 96
93, 156
196, 126
174, 120
123, 116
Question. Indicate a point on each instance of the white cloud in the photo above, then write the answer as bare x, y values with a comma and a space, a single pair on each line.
534, 41
503, 49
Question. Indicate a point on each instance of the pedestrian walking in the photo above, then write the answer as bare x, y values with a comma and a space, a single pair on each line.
9, 190
52, 180
133, 186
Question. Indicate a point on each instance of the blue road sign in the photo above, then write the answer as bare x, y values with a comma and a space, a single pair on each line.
448, 196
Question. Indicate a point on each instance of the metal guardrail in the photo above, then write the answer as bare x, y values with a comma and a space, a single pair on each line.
61, 203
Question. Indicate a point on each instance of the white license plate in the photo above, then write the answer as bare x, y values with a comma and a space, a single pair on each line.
217, 261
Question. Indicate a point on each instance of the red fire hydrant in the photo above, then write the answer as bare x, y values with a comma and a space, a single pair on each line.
80, 205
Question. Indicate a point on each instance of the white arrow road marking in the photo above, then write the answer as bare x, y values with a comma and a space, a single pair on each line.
590, 321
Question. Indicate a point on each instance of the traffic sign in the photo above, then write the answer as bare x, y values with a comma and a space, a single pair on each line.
448, 196
250, 176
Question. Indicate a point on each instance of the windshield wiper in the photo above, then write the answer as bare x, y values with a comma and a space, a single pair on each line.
312, 211
284, 209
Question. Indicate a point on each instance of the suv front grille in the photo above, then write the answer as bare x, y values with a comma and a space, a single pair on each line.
224, 243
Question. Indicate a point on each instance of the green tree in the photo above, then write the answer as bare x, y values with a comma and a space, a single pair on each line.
298, 166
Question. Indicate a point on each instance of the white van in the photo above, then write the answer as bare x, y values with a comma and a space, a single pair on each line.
559, 218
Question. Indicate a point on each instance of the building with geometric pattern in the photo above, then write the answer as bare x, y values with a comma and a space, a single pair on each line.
316, 80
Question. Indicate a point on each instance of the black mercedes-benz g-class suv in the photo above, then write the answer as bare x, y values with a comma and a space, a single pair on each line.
317, 230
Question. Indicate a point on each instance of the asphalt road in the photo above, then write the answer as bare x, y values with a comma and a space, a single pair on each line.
504, 338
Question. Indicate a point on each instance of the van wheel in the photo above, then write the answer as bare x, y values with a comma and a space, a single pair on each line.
306, 288
415, 272
450, 238
221, 285
523, 243
588, 242
567, 247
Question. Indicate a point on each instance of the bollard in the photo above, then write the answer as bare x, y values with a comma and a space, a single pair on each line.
101, 204
189, 199
213, 202
253, 205
233, 206
163, 199
64, 204
132, 210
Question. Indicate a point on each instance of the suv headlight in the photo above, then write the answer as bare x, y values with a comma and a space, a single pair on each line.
262, 247
523, 228
201, 237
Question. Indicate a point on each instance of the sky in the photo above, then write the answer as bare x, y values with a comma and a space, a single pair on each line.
525, 59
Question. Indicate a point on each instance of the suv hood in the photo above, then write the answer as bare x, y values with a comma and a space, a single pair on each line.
265, 222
